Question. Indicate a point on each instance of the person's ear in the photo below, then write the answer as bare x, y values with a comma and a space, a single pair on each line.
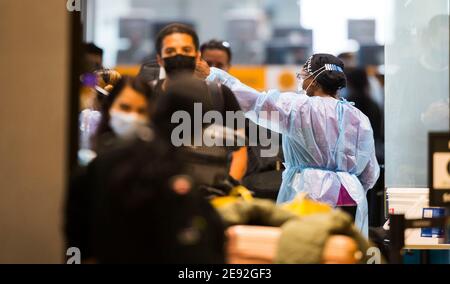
160, 60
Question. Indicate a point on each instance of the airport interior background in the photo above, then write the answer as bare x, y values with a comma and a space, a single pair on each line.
402, 44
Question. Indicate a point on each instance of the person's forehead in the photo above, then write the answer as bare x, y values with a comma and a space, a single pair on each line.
178, 39
130, 95
215, 54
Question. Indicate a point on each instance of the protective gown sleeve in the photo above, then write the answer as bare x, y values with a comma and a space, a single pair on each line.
272, 109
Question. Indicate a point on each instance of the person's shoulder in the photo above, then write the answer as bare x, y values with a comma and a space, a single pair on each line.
297, 100
225, 89
227, 93
292, 95
364, 121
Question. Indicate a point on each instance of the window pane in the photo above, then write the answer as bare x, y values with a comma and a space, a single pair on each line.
417, 87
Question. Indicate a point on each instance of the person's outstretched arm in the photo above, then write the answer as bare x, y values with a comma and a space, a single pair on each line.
272, 109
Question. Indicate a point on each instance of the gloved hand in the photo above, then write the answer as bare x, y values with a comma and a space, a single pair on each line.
202, 69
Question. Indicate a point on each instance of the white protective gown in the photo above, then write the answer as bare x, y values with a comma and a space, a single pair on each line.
326, 142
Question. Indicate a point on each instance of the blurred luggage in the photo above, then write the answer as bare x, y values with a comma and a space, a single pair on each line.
252, 244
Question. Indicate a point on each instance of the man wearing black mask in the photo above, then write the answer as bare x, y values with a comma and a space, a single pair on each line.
177, 48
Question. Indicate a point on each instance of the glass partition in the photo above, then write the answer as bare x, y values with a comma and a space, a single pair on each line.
417, 86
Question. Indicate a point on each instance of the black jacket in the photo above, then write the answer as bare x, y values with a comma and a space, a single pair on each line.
122, 209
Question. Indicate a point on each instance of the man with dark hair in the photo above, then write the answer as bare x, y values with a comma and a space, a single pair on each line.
91, 48
176, 29
93, 56
217, 54
177, 48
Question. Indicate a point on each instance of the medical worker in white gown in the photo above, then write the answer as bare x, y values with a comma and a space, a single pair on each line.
328, 144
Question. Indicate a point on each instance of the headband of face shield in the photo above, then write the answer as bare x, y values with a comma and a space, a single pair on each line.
326, 67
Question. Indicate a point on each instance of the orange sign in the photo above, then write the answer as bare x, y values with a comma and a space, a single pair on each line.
128, 70
253, 76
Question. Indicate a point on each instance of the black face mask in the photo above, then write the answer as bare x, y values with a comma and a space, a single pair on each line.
178, 64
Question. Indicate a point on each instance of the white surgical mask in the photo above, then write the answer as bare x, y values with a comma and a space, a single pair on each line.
300, 85
126, 125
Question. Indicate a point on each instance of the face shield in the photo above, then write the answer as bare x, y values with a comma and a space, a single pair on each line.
304, 75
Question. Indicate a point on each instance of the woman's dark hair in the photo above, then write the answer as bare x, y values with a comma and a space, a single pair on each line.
175, 29
220, 45
329, 80
136, 84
